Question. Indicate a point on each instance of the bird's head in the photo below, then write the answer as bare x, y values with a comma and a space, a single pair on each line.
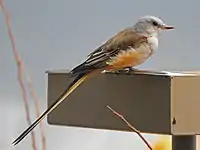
151, 25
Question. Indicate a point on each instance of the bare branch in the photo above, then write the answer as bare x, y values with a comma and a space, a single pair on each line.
130, 126
19, 68
37, 106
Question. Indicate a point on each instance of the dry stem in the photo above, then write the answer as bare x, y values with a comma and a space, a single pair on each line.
37, 106
130, 126
20, 78
19, 68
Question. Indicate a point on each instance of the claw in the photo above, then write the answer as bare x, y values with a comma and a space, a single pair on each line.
125, 70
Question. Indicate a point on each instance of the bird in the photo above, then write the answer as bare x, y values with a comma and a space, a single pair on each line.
128, 48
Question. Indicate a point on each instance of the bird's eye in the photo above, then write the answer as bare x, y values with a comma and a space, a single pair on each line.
155, 23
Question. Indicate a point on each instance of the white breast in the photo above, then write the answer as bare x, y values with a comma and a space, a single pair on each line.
153, 42
146, 50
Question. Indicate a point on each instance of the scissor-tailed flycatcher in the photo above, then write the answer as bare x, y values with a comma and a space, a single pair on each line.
128, 48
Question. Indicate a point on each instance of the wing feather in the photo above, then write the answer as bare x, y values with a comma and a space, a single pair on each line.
122, 41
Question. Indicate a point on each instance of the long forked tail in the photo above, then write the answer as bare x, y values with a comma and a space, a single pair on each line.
77, 81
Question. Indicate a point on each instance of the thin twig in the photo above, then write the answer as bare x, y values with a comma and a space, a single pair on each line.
130, 126
37, 106
19, 68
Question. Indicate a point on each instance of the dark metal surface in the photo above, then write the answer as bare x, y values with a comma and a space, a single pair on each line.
143, 99
184, 142
153, 102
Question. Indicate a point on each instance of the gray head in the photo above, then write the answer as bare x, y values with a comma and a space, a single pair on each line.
151, 25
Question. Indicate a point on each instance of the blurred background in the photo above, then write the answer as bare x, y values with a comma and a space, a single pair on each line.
59, 34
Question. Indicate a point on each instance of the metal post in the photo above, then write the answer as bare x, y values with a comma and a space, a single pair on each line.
184, 142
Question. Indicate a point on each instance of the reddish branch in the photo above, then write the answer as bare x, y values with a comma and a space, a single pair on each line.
37, 106
130, 126
20, 79
19, 68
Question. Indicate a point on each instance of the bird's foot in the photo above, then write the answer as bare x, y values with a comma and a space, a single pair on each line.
126, 70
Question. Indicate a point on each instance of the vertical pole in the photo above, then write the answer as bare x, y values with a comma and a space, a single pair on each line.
184, 142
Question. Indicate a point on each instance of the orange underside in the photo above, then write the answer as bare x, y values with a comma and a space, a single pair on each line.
123, 60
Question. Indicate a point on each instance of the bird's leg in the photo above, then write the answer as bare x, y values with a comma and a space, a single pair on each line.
126, 70
130, 69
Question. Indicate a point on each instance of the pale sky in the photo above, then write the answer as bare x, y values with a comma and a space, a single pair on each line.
59, 34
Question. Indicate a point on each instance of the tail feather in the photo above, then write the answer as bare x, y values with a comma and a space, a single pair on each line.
81, 69
77, 81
